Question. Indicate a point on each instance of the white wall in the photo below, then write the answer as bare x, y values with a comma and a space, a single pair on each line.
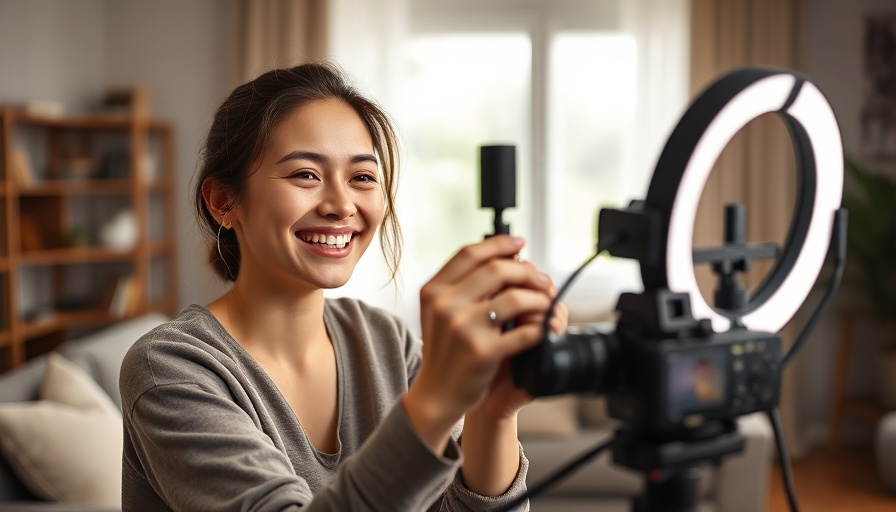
51, 50
832, 57
178, 49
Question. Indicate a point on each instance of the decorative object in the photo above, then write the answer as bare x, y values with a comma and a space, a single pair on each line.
44, 108
135, 101
76, 166
30, 234
121, 231
78, 236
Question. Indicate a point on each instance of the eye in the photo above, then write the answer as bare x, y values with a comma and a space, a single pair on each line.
303, 175
364, 177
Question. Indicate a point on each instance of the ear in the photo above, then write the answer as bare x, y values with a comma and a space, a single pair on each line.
218, 201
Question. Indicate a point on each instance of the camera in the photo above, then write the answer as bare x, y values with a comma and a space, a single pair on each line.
680, 375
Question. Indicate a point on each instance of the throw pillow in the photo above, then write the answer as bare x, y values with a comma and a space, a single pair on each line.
551, 416
67, 445
593, 410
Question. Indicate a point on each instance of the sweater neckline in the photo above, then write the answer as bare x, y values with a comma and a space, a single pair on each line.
329, 460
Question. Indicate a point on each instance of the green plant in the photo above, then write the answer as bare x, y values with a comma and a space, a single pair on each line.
870, 197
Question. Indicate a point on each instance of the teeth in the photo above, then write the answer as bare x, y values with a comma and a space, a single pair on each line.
339, 241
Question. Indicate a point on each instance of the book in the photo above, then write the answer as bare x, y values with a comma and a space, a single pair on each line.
20, 170
122, 297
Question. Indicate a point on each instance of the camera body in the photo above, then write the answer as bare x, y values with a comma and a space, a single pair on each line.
684, 375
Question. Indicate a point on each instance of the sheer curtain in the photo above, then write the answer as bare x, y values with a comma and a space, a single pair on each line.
757, 168
266, 34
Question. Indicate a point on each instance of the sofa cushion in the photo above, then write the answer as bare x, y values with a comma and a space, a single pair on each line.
593, 412
550, 416
100, 354
67, 445
598, 477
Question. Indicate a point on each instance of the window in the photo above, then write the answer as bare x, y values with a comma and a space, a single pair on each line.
586, 90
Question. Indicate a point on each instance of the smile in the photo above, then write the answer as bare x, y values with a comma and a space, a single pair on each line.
337, 241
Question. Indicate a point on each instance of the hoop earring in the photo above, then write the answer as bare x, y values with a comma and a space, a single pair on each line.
220, 254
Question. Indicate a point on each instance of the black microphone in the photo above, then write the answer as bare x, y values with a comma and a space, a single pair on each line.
497, 175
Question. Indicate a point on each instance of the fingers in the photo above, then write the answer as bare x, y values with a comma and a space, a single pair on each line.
473, 256
492, 277
516, 303
559, 319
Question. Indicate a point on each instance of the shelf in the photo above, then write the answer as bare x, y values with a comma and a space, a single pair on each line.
76, 187
93, 122
64, 320
76, 255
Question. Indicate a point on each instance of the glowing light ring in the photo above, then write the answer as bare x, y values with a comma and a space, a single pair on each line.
736, 100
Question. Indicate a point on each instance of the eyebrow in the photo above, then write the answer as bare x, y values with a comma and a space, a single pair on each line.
321, 159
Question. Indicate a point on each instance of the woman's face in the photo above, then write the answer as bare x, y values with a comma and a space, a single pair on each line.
315, 201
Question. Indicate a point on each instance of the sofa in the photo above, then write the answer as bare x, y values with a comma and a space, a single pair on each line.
97, 355
555, 431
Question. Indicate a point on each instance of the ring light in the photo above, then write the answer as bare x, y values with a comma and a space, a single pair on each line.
688, 158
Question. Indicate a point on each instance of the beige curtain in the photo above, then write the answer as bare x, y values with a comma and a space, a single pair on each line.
267, 34
757, 167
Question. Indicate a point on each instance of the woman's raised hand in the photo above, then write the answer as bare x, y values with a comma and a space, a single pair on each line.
462, 310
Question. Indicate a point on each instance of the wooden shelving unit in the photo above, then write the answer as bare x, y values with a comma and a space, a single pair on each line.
58, 276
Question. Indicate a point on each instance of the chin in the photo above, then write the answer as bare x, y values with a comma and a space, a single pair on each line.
332, 282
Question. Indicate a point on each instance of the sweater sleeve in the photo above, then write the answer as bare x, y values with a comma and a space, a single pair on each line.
458, 497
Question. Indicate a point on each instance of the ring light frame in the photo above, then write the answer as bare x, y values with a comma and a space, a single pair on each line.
687, 160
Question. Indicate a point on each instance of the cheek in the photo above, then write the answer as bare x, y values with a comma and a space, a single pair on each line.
377, 210
279, 205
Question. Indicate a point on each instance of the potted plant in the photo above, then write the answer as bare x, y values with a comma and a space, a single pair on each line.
870, 197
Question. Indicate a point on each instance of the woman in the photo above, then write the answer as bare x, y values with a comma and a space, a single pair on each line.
275, 398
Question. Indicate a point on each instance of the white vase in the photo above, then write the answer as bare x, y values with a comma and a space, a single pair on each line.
120, 232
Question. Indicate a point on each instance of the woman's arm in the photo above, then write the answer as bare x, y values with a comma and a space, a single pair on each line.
489, 442
465, 354
491, 453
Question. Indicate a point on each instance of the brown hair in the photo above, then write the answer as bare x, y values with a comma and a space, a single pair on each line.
242, 128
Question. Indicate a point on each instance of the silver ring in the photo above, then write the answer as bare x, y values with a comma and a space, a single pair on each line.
492, 315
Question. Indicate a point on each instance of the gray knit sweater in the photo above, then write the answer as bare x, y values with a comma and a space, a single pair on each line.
206, 429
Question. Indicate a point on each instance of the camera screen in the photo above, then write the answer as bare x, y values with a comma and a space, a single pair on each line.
697, 383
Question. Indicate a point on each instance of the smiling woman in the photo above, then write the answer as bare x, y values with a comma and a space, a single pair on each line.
273, 397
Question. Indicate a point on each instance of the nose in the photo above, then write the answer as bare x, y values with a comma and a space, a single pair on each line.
337, 201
